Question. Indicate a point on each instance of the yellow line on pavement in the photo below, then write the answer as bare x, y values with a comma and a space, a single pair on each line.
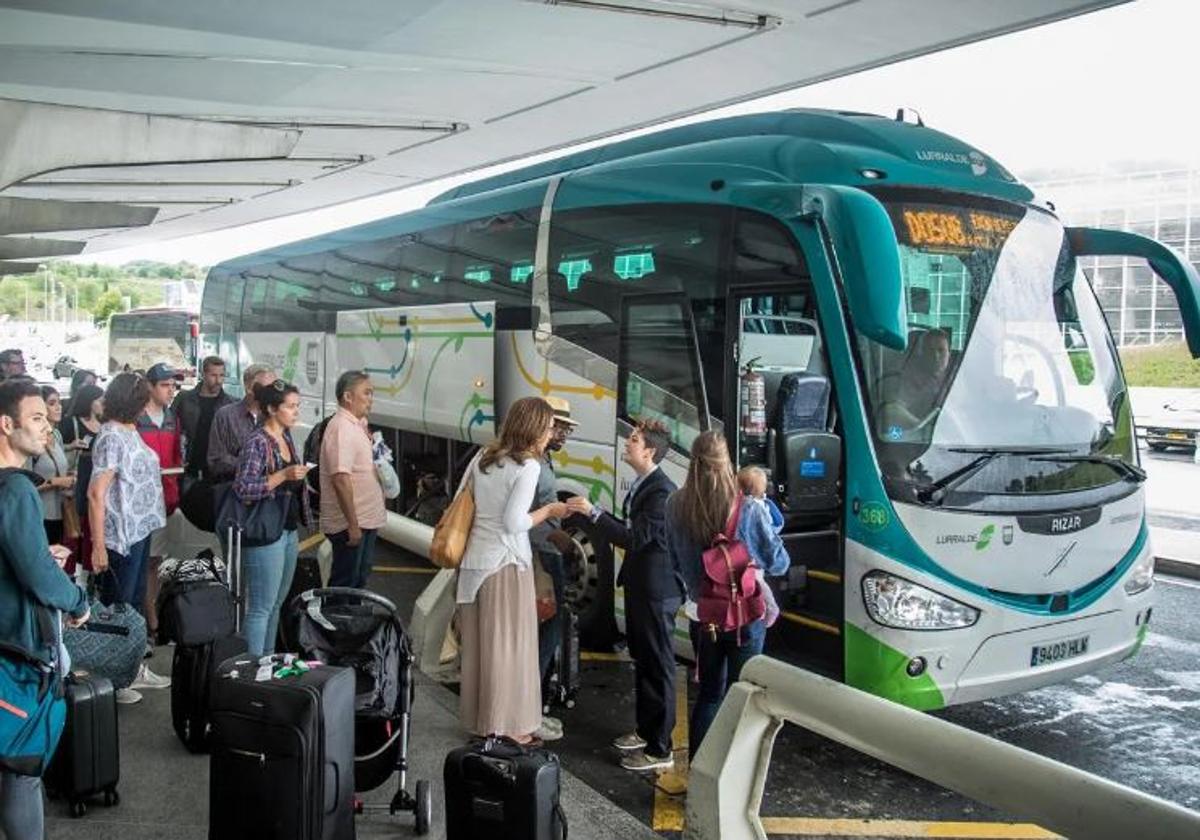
405, 570
810, 827
600, 656
670, 788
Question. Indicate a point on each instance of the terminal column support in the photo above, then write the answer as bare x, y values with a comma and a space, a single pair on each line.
40, 138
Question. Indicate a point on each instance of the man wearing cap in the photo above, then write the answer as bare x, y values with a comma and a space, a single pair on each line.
160, 429
12, 363
548, 538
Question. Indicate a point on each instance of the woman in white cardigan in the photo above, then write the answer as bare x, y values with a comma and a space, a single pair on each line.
501, 691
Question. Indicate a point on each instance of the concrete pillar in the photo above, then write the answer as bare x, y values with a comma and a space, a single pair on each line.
35, 215
25, 247
40, 138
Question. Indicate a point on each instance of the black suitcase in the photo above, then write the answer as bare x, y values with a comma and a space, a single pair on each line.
88, 760
498, 789
192, 670
282, 753
562, 682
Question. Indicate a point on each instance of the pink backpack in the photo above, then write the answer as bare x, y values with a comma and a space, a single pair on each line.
730, 597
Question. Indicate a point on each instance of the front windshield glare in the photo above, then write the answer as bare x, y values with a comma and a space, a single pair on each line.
1007, 350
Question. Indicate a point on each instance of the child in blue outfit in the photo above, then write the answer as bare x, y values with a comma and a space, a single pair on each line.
753, 483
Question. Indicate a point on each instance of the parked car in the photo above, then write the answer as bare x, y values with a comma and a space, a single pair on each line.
1177, 423
65, 367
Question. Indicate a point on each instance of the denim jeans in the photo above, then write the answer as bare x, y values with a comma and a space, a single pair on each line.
268, 571
720, 663
21, 814
550, 632
351, 563
125, 582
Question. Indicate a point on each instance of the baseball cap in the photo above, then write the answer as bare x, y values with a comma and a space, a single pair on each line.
161, 372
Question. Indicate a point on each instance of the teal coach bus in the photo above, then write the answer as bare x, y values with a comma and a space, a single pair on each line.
878, 315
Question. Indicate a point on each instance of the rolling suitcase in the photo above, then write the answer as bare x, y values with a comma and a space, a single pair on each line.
88, 760
496, 788
563, 680
192, 671
282, 751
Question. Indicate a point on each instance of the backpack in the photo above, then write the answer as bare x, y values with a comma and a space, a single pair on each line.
730, 597
312, 455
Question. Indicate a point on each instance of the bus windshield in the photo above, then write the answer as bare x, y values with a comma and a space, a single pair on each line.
1010, 386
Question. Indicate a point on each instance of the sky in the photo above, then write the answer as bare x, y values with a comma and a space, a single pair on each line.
1083, 94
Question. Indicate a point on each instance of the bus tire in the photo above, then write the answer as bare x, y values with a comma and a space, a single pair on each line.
590, 585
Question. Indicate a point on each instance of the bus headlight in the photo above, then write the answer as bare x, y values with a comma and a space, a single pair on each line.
895, 602
1141, 576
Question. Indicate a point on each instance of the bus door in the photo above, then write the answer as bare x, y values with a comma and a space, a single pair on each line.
659, 378
782, 420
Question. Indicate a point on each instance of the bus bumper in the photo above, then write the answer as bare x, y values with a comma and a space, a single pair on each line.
1009, 663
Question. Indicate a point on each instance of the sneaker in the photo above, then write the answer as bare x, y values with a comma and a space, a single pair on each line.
127, 696
545, 733
552, 723
641, 762
630, 742
148, 679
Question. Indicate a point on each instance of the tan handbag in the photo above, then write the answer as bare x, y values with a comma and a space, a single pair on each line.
70, 519
454, 528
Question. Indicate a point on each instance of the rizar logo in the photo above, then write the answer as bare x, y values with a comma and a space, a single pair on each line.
1061, 560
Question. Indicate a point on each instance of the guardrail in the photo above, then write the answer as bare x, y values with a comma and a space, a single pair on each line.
727, 776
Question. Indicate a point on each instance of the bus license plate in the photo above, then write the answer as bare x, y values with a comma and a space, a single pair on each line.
1058, 651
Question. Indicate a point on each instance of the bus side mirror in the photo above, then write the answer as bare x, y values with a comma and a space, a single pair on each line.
1167, 263
868, 258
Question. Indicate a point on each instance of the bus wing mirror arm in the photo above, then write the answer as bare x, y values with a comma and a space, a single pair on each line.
863, 250
1166, 262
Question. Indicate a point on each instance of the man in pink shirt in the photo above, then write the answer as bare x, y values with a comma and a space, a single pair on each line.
352, 509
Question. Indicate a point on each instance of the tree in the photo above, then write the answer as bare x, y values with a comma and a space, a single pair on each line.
108, 303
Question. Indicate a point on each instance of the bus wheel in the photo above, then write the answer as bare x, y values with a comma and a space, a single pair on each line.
589, 584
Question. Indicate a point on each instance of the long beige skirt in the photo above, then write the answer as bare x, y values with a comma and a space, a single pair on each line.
501, 692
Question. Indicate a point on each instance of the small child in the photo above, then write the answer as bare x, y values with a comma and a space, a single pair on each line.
753, 483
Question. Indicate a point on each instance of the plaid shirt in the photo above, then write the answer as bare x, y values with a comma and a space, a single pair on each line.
260, 456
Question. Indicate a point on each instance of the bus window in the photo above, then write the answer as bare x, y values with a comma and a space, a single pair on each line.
600, 255
659, 369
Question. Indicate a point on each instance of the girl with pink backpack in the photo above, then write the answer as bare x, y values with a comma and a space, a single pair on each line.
720, 544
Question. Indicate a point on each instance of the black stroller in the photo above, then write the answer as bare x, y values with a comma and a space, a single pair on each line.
361, 630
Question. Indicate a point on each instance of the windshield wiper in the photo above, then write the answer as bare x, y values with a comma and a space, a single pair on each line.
1126, 469
935, 492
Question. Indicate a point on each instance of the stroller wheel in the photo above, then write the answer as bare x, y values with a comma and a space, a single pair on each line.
424, 808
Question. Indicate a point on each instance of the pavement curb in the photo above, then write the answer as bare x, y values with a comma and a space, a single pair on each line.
1177, 567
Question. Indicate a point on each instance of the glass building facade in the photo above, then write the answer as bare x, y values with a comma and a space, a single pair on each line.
1163, 204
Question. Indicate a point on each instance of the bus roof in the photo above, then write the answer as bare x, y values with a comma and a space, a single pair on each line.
795, 146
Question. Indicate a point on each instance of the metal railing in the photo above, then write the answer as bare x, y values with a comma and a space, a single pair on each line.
727, 776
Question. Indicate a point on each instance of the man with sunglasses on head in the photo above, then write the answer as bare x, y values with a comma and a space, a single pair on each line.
234, 423
160, 428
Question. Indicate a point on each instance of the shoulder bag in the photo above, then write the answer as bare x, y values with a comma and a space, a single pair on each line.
454, 528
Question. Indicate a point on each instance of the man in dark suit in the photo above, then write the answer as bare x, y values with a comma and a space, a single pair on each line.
653, 594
